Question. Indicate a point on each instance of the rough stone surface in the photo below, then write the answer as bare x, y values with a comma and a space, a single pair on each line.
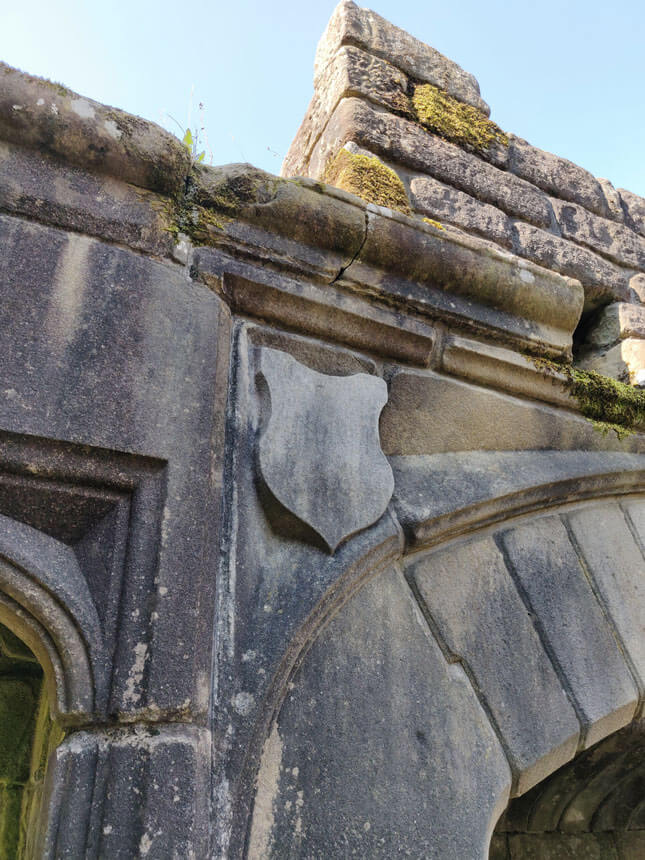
350, 24
615, 562
601, 279
574, 629
615, 241
557, 176
634, 207
472, 600
138, 793
402, 141
444, 203
350, 72
617, 322
614, 203
624, 362
637, 285
329, 426
380, 747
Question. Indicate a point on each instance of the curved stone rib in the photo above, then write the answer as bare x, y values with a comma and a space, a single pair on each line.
445, 495
47, 601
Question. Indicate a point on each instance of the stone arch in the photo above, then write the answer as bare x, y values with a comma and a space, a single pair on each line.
46, 602
516, 689
594, 806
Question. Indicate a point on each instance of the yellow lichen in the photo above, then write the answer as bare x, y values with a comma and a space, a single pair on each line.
437, 224
454, 121
367, 177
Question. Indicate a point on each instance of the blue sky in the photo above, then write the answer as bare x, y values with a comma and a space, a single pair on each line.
567, 76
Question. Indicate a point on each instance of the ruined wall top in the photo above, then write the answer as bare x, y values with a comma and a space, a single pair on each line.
412, 198
397, 123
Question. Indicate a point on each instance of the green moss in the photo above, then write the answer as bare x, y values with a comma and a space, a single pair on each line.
610, 404
369, 178
454, 121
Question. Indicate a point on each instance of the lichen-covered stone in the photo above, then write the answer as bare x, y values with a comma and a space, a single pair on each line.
368, 178
350, 24
350, 72
403, 142
624, 362
454, 121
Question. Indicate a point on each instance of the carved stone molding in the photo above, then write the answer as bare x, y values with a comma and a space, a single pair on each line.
78, 527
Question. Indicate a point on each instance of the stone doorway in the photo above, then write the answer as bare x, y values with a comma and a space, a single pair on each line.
27, 737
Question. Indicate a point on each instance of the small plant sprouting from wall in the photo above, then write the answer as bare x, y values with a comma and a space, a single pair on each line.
195, 138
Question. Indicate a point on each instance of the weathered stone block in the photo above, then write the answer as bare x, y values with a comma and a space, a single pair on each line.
556, 175
601, 279
471, 598
36, 186
444, 203
634, 207
573, 626
404, 142
381, 747
616, 565
428, 413
617, 322
637, 286
39, 114
442, 496
353, 25
134, 793
503, 368
612, 240
624, 361
614, 203
351, 72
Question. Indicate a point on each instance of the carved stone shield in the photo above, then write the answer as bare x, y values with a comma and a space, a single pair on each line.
320, 453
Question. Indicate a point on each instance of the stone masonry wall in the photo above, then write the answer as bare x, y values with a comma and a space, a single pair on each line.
383, 94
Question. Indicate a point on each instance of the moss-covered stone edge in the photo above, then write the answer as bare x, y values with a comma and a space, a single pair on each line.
455, 121
609, 404
368, 178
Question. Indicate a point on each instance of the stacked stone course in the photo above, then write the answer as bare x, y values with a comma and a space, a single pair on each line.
539, 206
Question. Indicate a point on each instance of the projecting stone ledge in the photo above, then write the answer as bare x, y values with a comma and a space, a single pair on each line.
387, 258
51, 119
